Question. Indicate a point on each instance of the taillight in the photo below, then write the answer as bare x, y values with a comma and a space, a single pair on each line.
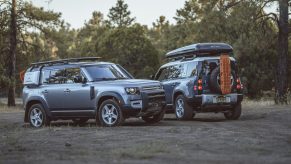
199, 87
238, 84
199, 82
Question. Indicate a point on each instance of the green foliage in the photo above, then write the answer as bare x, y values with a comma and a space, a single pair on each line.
119, 15
130, 48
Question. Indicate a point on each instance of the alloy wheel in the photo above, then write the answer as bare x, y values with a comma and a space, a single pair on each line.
109, 114
180, 108
36, 117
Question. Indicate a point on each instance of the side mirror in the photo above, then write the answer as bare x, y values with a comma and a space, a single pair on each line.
152, 77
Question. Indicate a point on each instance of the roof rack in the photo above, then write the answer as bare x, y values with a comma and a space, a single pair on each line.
183, 58
200, 49
65, 61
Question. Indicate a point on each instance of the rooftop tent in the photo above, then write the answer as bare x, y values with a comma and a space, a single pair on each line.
200, 49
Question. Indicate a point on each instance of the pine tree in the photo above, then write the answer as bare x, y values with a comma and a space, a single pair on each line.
119, 16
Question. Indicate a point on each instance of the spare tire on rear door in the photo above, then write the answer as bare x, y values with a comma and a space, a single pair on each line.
214, 80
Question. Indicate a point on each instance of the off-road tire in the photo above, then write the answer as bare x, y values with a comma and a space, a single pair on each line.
117, 111
187, 113
234, 113
213, 84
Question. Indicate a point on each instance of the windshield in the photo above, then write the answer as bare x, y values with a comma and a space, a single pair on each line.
105, 72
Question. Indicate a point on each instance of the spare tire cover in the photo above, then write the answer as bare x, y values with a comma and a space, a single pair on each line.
214, 81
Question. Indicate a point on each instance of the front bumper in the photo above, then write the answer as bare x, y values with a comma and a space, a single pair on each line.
151, 103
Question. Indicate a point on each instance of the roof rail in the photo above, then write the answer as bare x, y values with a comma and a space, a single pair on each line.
183, 58
65, 61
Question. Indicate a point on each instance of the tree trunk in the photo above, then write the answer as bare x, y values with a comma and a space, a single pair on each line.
282, 65
12, 56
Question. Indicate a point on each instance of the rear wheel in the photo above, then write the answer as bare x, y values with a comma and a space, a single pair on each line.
234, 113
110, 114
37, 116
182, 109
155, 118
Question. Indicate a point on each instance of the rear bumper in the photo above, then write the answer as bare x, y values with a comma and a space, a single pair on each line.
149, 104
210, 100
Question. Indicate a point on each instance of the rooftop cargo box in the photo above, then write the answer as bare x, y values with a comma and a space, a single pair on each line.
200, 49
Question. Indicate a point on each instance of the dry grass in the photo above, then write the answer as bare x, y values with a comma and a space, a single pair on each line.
257, 103
5, 109
142, 150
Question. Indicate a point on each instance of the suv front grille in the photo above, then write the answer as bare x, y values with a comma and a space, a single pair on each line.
156, 97
150, 88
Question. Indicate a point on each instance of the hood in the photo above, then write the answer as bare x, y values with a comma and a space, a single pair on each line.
130, 83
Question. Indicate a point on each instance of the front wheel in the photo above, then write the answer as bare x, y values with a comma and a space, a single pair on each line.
234, 114
110, 114
155, 118
37, 116
183, 110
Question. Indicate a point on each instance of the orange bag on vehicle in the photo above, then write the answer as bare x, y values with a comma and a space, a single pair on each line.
225, 74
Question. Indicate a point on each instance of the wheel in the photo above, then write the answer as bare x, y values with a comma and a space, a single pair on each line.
182, 109
37, 116
214, 80
234, 114
154, 119
110, 114
80, 121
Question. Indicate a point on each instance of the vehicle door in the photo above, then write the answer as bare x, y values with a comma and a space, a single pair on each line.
77, 92
52, 88
169, 77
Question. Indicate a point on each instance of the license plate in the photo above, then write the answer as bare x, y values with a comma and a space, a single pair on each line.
221, 99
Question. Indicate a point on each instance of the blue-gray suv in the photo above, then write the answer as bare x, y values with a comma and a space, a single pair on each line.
80, 89
191, 80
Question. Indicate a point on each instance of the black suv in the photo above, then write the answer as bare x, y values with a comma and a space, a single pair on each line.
192, 81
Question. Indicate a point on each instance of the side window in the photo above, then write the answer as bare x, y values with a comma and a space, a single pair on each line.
192, 69
56, 77
71, 73
45, 76
162, 74
177, 71
60, 76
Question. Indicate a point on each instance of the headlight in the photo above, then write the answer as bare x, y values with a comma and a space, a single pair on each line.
132, 90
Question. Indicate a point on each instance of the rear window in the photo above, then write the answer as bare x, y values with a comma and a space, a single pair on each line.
209, 65
192, 69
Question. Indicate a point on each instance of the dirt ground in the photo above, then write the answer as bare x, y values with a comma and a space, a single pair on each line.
262, 135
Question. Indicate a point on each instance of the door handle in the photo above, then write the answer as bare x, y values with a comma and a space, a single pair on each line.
67, 90
45, 92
